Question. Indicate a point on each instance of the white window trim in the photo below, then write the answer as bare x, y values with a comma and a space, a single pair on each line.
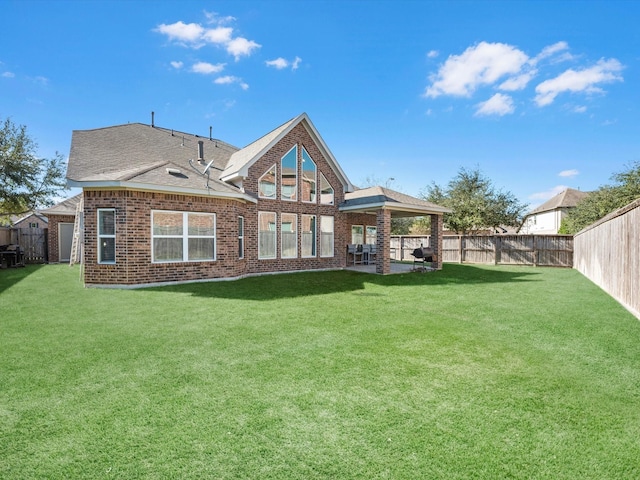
333, 236
315, 174
274, 167
102, 235
241, 237
296, 230
315, 236
367, 239
361, 234
333, 196
185, 237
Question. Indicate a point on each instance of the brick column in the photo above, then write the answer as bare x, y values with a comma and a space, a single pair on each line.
437, 226
383, 242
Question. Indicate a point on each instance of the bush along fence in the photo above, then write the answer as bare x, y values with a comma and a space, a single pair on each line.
535, 250
608, 254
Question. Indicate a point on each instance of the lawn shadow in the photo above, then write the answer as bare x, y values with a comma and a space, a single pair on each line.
292, 285
10, 276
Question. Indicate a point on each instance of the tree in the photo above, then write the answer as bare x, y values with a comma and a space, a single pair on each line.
606, 199
27, 182
475, 203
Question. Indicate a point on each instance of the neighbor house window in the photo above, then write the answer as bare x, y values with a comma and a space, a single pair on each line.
289, 235
372, 235
326, 191
240, 237
326, 236
266, 235
308, 236
33, 225
267, 184
106, 235
183, 236
308, 178
289, 175
357, 234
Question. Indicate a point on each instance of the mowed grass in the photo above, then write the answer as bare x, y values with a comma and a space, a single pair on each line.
469, 373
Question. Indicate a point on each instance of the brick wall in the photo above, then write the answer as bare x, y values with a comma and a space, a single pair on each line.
133, 227
54, 220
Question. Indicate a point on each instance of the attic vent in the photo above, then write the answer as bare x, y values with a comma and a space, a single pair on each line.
173, 171
200, 151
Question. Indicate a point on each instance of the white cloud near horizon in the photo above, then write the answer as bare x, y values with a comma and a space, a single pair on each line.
177, 65
569, 173
500, 104
574, 81
546, 195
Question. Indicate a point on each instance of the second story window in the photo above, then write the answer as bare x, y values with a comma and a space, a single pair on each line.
289, 175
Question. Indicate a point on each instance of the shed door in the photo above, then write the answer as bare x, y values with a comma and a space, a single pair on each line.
65, 238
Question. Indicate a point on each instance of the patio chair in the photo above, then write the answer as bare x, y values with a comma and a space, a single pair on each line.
356, 253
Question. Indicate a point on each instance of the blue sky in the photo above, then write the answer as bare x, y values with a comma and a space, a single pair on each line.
539, 95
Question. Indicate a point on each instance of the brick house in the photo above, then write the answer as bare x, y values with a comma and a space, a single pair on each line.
162, 206
61, 219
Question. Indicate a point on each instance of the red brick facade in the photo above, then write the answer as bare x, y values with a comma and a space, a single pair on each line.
133, 230
54, 231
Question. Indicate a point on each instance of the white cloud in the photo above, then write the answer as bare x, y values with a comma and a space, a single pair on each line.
218, 35
518, 82
549, 51
189, 33
500, 104
580, 109
230, 79
8, 74
575, 81
482, 64
207, 68
239, 47
433, 54
177, 65
281, 63
546, 195
569, 173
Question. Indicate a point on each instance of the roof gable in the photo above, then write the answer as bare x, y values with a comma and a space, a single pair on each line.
566, 199
375, 198
240, 161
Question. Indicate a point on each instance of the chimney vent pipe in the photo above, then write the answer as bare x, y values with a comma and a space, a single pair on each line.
200, 151
152, 119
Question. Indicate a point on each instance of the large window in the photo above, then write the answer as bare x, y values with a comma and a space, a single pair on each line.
266, 235
106, 235
289, 174
309, 181
289, 235
267, 184
326, 191
357, 234
183, 236
308, 236
326, 236
240, 237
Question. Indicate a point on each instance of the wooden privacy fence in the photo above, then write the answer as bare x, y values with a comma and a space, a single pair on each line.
608, 254
33, 242
542, 250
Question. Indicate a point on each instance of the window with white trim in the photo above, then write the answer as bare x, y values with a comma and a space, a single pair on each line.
241, 237
289, 235
267, 184
309, 178
326, 191
308, 236
106, 235
326, 236
289, 175
371, 236
266, 235
183, 236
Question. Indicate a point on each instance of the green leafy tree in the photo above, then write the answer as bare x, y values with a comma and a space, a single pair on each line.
624, 190
27, 181
475, 203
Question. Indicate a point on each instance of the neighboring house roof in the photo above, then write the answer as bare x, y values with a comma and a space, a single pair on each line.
240, 161
66, 207
566, 199
375, 198
15, 219
149, 157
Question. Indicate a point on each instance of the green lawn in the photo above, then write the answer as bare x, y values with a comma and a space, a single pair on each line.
472, 372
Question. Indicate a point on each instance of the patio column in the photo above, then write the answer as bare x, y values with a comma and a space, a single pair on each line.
383, 242
437, 226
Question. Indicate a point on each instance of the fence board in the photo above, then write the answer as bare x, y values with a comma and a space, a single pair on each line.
543, 250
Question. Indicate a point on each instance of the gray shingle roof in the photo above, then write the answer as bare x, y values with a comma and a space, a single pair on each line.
376, 197
66, 207
565, 199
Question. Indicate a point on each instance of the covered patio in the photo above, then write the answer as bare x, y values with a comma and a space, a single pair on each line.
385, 204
